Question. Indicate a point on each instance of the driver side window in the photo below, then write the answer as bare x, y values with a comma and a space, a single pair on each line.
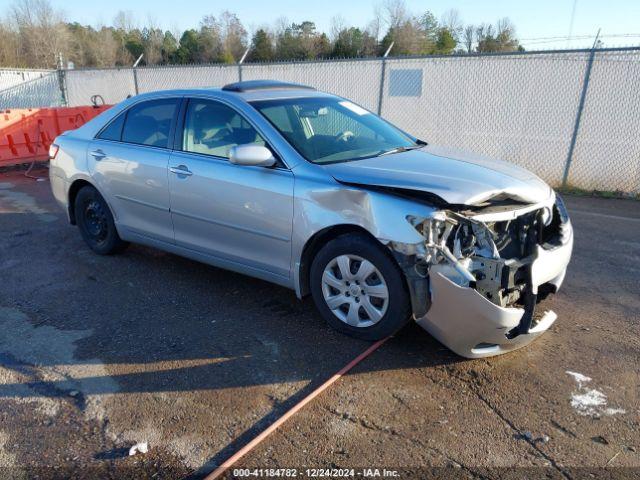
212, 128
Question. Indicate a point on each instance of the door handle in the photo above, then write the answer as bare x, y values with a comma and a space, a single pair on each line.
98, 154
181, 170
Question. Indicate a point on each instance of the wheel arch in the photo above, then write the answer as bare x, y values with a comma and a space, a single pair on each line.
74, 188
317, 241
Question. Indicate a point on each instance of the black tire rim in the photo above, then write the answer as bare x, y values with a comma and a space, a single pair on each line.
95, 221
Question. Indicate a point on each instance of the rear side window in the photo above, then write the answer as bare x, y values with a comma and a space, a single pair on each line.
149, 123
113, 131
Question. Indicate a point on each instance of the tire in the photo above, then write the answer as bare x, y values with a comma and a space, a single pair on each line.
95, 222
328, 286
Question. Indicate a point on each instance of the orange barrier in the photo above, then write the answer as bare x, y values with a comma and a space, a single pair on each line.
25, 134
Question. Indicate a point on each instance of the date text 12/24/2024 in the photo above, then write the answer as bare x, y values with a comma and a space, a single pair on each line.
315, 472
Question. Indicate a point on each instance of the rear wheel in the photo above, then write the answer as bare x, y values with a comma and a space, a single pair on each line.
95, 222
358, 288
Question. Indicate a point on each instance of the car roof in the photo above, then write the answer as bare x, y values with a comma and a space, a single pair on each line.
249, 91
251, 85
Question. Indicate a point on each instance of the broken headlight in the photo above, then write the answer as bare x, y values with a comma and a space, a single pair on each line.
454, 240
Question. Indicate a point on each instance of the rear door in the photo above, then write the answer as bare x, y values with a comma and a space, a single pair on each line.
240, 214
128, 160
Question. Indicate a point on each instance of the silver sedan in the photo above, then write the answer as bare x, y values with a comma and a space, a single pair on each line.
313, 192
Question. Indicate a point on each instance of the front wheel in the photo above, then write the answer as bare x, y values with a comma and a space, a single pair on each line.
358, 288
95, 222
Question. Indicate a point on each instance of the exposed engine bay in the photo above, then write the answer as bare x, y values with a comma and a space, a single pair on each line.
490, 248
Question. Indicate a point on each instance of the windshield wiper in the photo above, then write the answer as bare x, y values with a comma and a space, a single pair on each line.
398, 150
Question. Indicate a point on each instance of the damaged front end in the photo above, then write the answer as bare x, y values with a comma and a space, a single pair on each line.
478, 279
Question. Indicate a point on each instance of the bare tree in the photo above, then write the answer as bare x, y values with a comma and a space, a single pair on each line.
41, 31
124, 20
452, 21
338, 24
34, 33
374, 28
234, 36
153, 38
504, 26
107, 51
501, 38
9, 47
395, 13
469, 37
209, 45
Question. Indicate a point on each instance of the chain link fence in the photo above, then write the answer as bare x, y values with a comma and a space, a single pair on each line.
10, 77
572, 117
41, 91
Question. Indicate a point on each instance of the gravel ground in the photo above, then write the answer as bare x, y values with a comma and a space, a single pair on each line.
98, 353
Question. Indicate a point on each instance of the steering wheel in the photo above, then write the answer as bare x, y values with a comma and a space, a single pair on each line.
220, 134
344, 136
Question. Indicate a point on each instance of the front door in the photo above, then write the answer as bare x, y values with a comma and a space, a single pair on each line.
239, 214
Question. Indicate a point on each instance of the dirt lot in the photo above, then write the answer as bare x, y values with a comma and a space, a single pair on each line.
98, 353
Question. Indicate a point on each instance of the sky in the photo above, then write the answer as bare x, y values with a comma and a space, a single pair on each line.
535, 20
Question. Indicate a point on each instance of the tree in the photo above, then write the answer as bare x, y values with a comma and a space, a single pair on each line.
500, 38
431, 30
300, 41
33, 34
169, 47
445, 43
134, 43
451, 21
188, 51
106, 51
209, 48
152, 41
261, 47
349, 42
41, 32
468, 37
124, 21
322, 46
10, 47
506, 37
234, 37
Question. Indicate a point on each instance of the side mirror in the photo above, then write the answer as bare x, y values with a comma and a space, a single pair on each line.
252, 155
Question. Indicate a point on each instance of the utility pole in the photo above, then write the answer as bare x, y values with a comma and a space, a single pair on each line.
573, 15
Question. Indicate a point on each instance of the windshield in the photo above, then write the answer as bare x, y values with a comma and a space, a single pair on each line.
329, 130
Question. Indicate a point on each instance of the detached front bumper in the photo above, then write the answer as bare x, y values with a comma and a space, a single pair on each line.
473, 327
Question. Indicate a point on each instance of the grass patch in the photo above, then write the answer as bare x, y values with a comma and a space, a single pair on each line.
571, 190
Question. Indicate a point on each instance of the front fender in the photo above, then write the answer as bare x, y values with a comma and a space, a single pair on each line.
320, 205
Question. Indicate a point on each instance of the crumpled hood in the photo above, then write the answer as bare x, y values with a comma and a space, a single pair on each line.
455, 176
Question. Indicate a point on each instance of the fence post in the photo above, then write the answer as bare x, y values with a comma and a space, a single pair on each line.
62, 82
135, 79
576, 126
246, 52
135, 73
384, 67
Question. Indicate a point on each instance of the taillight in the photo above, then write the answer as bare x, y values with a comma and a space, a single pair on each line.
53, 151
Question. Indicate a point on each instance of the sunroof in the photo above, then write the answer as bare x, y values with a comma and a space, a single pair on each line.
263, 85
